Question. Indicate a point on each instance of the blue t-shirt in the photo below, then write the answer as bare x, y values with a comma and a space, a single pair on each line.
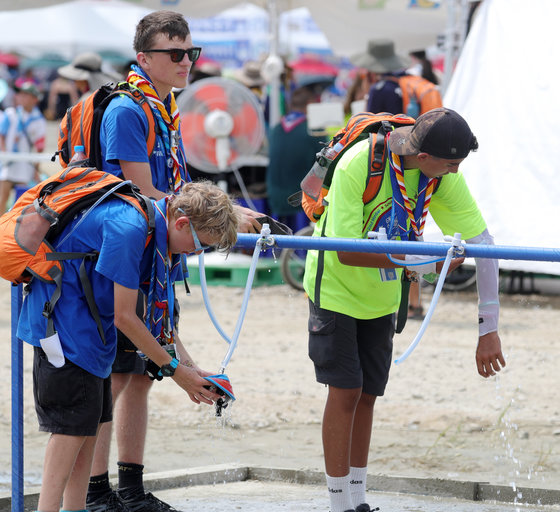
385, 96
123, 135
118, 232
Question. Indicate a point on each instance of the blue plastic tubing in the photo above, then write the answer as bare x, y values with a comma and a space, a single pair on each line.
502, 252
258, 245
431, 309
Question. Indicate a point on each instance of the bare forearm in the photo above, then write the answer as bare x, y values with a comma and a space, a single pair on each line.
135, 330
366, 259
141, 175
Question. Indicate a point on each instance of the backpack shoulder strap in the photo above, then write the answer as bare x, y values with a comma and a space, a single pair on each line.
140, 99
377, 157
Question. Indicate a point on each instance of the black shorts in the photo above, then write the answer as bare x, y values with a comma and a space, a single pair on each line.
351, 353
69, 400
127, 360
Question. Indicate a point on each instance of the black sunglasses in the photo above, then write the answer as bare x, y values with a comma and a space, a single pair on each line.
178, 54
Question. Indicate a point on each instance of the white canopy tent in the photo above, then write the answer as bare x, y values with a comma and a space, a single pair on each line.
70, 28
504, 86
348, 25
242, 33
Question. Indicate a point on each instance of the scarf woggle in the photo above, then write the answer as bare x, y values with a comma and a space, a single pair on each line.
169, 122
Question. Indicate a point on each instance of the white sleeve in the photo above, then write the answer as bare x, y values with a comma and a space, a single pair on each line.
487, 282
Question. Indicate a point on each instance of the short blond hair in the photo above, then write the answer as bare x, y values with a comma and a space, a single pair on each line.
210, 210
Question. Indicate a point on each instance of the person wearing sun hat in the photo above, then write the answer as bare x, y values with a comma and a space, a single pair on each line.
382, 60
353, 297
22, 130
250, 76
87, 71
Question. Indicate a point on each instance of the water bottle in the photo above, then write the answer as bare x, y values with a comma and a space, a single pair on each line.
413, 107
79, 155
313, 181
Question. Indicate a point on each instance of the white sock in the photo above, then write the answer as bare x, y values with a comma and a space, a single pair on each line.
339, 493
358, 480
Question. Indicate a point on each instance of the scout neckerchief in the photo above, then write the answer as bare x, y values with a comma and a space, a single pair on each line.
169, 123
291, 120
161, 296
402, 208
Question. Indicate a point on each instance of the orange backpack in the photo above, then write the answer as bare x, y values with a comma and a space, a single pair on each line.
315, 185
419, 95
40, 215
81, 124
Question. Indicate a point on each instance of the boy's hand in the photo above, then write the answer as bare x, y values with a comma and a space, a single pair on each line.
190, 380
489, 357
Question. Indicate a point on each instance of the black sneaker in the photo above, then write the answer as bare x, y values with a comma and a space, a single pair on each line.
364, 507
109, 502
147, 503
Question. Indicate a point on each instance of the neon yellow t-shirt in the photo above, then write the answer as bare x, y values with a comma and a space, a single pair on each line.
362, 292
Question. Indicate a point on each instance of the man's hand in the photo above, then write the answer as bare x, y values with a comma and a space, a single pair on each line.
454, 263
248, 222
489, 357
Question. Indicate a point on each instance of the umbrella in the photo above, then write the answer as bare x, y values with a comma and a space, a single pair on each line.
45, 61
9, 59
313, 65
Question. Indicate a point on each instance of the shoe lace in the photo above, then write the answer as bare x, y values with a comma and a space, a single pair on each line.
112, 503
149, 503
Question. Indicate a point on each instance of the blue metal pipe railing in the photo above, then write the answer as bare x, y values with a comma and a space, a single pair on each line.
17, 403
249, 241
502, 252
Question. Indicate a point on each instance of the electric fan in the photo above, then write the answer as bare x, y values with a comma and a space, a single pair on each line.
222, 124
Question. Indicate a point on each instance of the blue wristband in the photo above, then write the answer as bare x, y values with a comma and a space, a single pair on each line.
169, 368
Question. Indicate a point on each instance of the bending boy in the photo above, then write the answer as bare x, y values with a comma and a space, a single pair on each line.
73, 396
354, 296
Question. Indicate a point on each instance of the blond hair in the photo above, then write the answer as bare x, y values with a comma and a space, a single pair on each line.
209, 209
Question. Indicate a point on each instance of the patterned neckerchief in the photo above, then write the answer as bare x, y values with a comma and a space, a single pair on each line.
168, 122
401, 202
165, 267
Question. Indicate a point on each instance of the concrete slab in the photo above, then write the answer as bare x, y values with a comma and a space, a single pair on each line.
257, 496
251, 489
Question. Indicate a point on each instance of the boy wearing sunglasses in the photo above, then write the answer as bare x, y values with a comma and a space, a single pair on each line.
165, 54
71, 378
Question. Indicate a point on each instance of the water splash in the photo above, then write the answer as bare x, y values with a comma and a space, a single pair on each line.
508, 435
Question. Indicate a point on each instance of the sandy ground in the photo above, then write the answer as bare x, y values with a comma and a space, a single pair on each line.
439, 418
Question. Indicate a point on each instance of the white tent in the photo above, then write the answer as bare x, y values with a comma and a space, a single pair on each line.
504, 86
70, 28
347, 24
242, 33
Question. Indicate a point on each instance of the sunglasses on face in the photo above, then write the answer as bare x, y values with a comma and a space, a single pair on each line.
198, 247
178, 54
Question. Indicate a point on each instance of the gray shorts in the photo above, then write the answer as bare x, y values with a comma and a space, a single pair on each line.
351, 353
69, 400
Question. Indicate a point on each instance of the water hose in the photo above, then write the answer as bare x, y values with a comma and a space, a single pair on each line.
264, 240
204, 288
455, 248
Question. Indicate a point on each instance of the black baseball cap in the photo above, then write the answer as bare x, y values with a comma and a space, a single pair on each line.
441, 132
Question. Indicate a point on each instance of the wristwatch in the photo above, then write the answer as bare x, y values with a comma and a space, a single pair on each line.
168, 370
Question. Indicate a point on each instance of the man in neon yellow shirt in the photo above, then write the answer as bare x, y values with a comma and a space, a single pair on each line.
353, 296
